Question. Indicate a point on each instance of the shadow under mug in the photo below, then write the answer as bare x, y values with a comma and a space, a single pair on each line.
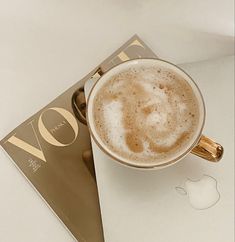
201, 145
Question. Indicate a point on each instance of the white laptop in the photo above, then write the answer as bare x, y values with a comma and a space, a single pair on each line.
191, 201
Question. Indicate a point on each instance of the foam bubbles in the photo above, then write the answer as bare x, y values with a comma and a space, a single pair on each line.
115, 131
146, 114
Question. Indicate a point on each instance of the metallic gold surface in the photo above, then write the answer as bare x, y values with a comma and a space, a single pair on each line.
208, 149
79, 105
52, 149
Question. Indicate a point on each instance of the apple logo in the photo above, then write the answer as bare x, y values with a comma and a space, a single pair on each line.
202, 193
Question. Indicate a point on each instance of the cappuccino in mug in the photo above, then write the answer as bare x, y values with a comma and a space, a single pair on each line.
146, 113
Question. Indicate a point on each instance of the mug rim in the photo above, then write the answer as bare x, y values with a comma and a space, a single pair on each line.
155, 165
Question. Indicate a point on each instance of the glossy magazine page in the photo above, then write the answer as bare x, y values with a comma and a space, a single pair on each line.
52, 149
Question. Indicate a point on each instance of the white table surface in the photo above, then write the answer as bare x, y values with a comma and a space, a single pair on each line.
46, 46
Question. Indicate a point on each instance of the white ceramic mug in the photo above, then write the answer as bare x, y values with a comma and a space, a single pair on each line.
199, 145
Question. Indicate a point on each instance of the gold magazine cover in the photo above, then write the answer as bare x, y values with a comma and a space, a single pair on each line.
52, 149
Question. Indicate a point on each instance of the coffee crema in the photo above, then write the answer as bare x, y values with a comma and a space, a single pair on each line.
146, 114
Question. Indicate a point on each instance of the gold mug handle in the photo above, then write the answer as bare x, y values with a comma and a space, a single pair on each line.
208, 149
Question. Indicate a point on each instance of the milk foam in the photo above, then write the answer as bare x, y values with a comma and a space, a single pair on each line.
146, 114
113, 119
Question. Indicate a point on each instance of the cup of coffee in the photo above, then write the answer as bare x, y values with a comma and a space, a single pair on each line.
149, 113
